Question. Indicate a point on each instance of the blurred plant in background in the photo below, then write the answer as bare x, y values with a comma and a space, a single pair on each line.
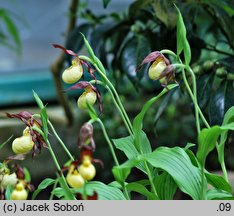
122, 40
9, 35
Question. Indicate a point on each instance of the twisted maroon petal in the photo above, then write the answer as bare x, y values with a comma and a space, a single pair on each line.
69, 52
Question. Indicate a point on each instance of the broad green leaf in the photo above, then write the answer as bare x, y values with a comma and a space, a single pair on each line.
141, 189
138, 121
43, 185
176, 162
218, 194
58, 192
121, 174
218, 182
207, 139
115, 184
165, 186
182, 42
192, 157
145, 144
126, 145
133, 162
105, 192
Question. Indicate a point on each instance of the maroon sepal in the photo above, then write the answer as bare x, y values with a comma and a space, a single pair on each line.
79, 196
69, 52
19, 172
152, 57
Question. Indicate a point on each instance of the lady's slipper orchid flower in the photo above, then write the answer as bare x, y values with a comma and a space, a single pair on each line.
74, 178
160, 69
90, 95
75, 71
31, 139
19, 193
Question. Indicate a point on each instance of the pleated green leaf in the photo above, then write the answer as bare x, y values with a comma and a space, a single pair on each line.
126, 144
207, 139
218, 182
176, 162
165, 186
141, 189
218, 194
105, 192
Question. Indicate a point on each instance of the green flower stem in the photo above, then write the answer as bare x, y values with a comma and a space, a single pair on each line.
71, 196
169, 52
115, 102
193, 94
108, 141
112, 152
194, 99
113, 89
60, 141
150, 178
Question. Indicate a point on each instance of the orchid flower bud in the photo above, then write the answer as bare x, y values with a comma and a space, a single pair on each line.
89, 96
19, 193
73, 73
